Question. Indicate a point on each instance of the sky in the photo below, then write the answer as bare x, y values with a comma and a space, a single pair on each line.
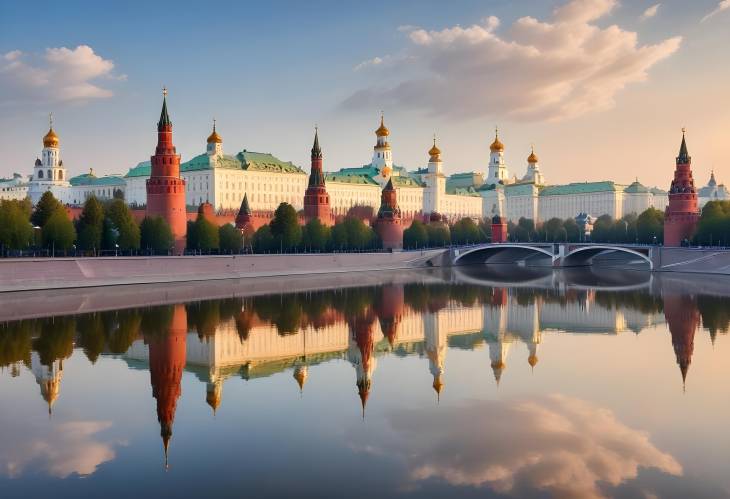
601, 88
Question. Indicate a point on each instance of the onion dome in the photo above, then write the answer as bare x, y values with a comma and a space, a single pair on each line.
532, 158
300, 375
532, 360
213, 398
214, 137
434, 151
382, 130
50, 139
438, 385
496, 146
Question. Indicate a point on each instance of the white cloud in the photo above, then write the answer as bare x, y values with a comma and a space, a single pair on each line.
538, 70
724, 5
650, 12
375, 61
68, 448
552, 445
59, 75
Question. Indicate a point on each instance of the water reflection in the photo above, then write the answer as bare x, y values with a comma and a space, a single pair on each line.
558, 444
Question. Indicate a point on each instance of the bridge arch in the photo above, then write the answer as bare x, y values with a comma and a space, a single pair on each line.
584, 255
509, 253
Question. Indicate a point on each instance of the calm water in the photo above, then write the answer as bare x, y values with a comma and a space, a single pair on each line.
474, 383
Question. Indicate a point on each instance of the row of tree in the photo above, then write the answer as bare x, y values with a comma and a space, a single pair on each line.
714, 226
438, 234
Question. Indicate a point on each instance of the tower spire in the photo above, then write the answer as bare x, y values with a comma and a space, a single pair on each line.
164, 117
316, 150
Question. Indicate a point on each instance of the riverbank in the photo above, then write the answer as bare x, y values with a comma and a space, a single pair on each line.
25, 274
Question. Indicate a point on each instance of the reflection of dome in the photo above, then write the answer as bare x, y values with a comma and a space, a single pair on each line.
532, 360
213, 398
50, 139
300, 374
382, 130
438, 385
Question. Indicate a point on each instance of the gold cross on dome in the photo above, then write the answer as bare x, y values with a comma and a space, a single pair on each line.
50, 119
164, 91
684, 129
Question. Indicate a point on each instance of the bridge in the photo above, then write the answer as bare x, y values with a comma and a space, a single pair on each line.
556, 254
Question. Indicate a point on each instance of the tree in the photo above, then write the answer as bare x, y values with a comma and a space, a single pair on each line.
315, 236
602, 229
714, 225
16, 232
58, 231
572, 231
465, 231
285, 227
438, 234
415, 236
124, 227
90, 225
650, 226
263, 240
156, 235
551, 228
359, 235
47, 206
524, 231
203, 235
231, 239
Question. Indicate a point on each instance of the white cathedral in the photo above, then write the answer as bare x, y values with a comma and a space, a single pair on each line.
223, 179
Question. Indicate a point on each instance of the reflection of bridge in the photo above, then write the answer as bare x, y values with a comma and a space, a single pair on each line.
555, 254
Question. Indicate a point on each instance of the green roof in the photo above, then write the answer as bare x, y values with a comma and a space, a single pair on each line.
580, 188
91, 179
349, 179
405, 181
142, 169
519, 189
636, 188
657, 190
260, 161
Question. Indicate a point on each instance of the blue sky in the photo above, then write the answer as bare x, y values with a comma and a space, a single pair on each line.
268, 71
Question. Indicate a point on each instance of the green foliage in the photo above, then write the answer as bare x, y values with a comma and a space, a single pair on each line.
352, 234
16, 232
602, 229
58, 231
650, 226
263, 240
122, 225
46, 206
285, 227
202, 235
415, 236
90, 225
714, 225
572, 231
231, 239
524, 231
465, 231
315, 236
156, 235
438, 234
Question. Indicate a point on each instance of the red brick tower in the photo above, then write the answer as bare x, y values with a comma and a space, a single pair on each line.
682, 214
316, 199
499, 229
165, 188
389, 224
167, 353
389, 305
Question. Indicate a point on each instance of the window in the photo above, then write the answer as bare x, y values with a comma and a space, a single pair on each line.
40, 173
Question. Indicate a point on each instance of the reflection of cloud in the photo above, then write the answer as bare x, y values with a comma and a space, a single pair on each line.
60, 75
59, 450
560, 68
556, 444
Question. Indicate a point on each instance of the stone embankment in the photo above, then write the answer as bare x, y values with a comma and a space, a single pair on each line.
23, 274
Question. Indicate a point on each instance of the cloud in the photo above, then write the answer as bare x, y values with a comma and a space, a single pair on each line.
538, 70
60, 450
650, 12
60, 75
557, 445
724, 5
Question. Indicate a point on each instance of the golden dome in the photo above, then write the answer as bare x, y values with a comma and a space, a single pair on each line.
532, 158
496, 146
382, 130
300, 374
50, 139
532, 360
438, 385
434, 151
214, 137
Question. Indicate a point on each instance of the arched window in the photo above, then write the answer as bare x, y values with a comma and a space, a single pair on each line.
60, 175
40, 173
49, 174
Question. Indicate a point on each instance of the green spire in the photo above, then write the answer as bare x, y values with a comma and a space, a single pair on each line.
164, 117
245, 208
316, 150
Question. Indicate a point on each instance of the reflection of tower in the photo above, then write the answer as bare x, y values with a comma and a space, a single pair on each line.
436, 344
498, 350
300, 370
48, 378
682, 213
167, 351
389, 309
214, 391
683, 319
165, 188
360, 352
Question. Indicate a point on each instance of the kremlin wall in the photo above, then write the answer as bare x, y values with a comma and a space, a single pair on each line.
246, 187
